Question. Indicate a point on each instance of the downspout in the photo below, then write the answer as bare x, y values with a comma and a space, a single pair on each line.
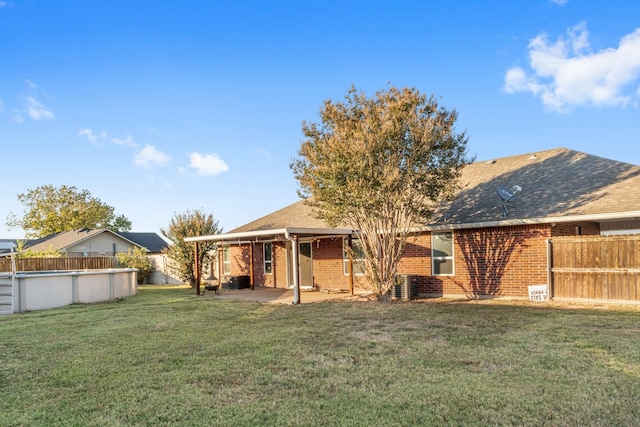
251, 284
550, 268
296, 267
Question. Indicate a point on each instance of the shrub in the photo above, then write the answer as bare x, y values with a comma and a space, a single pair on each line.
137, 258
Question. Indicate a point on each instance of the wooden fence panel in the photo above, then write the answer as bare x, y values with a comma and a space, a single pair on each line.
56, 264
596, 267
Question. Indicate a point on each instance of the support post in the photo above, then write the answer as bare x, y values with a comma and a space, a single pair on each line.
196, 263
350, 262
296, 271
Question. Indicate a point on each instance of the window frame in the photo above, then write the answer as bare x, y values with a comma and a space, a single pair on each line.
266, 261
435, 258
226, 259
359, 264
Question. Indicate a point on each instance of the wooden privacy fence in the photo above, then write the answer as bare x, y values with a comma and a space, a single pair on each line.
63, 263
596, 268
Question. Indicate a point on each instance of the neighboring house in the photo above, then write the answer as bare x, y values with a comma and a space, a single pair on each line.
155, 245
103, 242
6, 245
84, 242
491, 240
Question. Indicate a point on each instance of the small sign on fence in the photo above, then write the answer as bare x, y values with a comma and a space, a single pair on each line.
538, 293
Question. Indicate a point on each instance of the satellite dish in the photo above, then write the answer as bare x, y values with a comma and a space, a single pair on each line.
508, 195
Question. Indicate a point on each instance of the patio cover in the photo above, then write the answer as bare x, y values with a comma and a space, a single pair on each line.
293, 234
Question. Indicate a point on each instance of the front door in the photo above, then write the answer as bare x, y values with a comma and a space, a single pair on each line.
306, 265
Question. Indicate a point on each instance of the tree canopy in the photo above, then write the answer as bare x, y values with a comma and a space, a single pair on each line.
50, 210
189, 224
379, 165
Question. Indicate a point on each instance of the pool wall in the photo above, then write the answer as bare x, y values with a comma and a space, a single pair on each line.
42, 290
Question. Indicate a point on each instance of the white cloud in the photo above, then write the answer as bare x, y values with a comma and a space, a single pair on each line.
126, 141
566, 74
262, 152
560, 2
92, 137
208, 164
33, 107
17, 116
3, 3
149, 156
37, 110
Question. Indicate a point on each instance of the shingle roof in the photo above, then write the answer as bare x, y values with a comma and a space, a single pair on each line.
555, 183
63, 240
152, 241
60, 241
297, 214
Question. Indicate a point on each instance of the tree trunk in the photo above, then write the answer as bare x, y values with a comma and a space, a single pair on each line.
385, 297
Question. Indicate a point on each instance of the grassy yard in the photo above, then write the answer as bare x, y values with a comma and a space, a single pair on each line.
165, 357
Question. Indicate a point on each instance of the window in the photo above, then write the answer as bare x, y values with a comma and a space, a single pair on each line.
226, 260
267, 255
442, 253
358, 257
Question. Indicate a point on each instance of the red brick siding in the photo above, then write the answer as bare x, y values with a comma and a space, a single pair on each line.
487, 262
278, 275
493, 262
328, 267
239, 256
575, 229
416, 259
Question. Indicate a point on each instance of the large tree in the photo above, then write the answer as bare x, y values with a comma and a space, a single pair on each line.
379, 165
50, 210
190, 224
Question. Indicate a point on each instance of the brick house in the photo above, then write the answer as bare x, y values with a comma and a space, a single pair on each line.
491, 240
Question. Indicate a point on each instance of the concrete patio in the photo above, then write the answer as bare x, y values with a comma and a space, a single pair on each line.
283, 296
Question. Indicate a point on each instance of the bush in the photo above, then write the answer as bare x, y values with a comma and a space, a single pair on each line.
137, 258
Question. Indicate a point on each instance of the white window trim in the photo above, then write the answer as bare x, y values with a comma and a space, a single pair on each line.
226, 264
264, 258
452, 257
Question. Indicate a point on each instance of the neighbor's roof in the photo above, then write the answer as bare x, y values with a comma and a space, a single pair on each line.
152, 241
65, 239
558, 184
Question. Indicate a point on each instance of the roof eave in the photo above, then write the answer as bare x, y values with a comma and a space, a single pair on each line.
268, 233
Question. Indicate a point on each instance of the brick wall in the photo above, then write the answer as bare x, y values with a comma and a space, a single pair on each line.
328, 266
491, 262
575, 229
240, 258
501, 261
278, 276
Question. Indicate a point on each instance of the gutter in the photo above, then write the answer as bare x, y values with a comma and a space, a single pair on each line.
542, 220
244, 235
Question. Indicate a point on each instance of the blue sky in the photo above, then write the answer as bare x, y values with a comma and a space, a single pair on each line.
159, 107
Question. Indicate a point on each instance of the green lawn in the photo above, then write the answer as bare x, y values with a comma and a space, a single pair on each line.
166, 357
